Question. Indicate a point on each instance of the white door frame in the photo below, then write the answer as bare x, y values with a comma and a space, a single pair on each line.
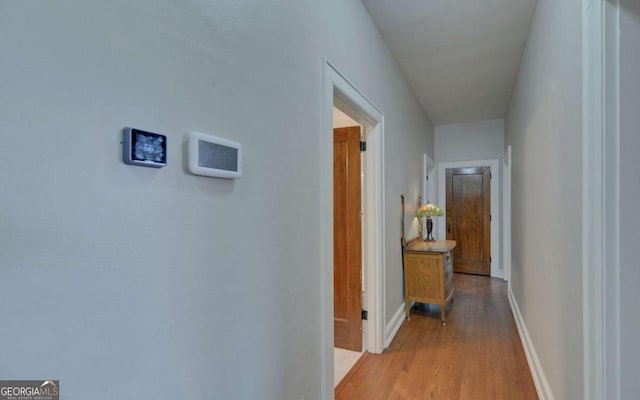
494, 165
506, 215
357, 106
600, 199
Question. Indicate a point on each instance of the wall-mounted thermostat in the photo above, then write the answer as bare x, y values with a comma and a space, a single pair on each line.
146, 149
214, 156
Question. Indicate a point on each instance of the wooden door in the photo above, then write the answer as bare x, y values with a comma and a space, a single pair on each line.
347, 239
468, 218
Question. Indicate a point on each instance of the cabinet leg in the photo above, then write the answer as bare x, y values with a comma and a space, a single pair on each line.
407, 310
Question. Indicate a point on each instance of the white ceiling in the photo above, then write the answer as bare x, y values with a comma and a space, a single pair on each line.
461, 57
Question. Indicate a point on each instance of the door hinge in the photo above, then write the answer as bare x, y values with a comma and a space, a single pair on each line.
363, 146
490, 259
364, 315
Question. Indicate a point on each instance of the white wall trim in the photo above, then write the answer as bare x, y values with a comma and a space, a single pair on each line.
337, 86
506, 215
600, 199
539, 378
494, 164
394, 325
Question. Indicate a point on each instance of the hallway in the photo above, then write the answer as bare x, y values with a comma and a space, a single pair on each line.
477, 356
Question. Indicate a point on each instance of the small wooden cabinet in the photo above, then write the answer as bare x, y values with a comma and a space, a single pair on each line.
428, 274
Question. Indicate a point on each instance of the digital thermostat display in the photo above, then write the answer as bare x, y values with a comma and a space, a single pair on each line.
144, 148
214, 156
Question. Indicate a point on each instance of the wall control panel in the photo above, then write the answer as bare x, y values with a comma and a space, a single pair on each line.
213, 156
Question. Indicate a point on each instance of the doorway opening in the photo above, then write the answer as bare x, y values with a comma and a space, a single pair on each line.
348, 274
340, 93
468, 215
496, 269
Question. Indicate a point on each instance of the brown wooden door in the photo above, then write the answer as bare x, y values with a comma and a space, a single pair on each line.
468, 218
347, 239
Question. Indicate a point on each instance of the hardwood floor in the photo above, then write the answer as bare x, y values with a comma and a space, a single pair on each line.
477, 356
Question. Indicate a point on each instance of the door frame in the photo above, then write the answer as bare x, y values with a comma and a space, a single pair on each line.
338, 89
494, 165
601, 199
506, 215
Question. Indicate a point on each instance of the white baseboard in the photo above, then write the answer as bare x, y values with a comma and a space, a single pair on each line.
392, 327
539, 379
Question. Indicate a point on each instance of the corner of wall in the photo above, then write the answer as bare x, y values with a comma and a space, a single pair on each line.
394, 325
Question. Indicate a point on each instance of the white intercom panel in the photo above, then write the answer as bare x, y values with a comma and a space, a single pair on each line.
213, 156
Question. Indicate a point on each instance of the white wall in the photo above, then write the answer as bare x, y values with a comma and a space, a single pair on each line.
544, 127
629, 195
134, 276
481, 140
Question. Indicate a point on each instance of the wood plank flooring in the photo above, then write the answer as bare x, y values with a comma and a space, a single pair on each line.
477, 356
